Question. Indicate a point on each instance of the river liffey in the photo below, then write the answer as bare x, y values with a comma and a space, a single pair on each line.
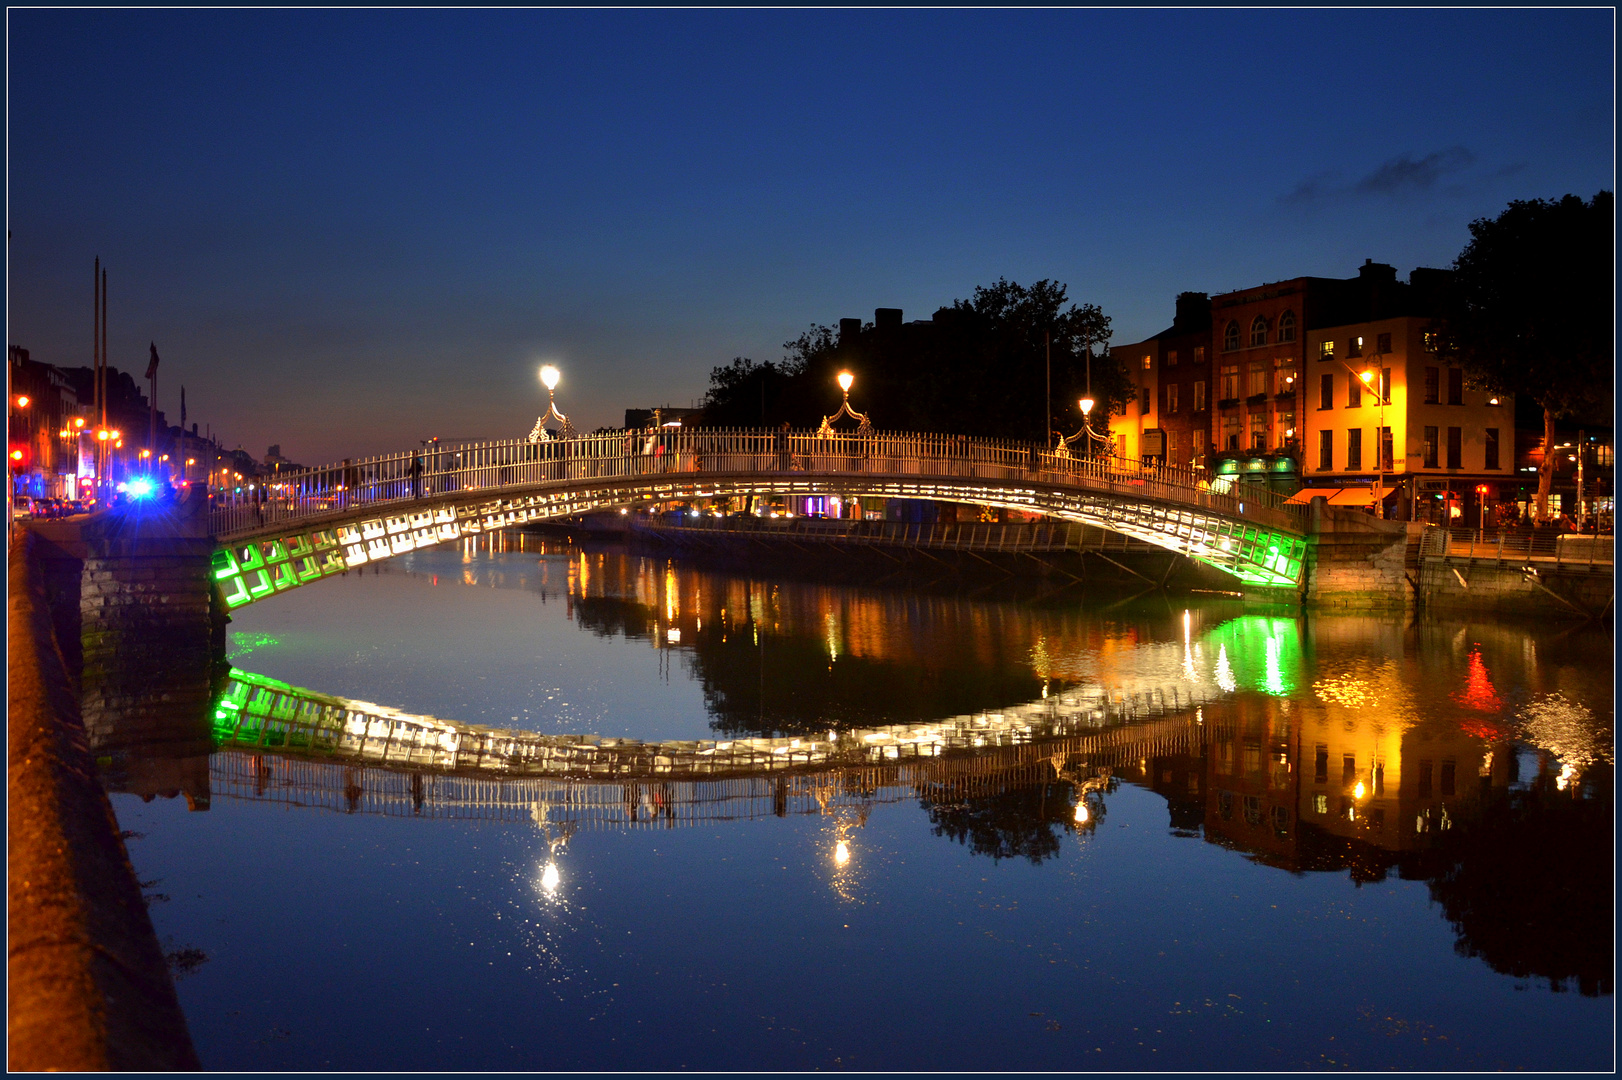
1264, 841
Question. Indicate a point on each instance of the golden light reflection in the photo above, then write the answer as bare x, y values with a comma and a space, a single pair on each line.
550, 877
1082, 813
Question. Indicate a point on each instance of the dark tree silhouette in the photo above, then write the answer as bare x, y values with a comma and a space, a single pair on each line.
979, 367
1530, 310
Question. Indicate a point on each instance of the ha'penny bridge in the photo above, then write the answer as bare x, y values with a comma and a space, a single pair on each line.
279, 743
306, 526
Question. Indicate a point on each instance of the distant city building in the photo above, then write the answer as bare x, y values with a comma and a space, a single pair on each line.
637, 419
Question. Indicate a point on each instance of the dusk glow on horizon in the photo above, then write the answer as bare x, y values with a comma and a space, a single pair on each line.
349, 231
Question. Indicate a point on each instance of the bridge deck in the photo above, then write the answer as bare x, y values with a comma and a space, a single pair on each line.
312, 524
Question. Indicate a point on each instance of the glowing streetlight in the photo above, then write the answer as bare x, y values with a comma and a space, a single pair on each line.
22, 401
863, 427
78, 423
549, 379
1087, 404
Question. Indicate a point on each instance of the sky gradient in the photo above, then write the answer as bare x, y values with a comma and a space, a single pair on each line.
350, 230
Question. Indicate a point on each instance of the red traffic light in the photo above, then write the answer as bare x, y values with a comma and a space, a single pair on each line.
1481, 489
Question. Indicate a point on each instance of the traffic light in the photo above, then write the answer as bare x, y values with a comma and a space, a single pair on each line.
1481, 489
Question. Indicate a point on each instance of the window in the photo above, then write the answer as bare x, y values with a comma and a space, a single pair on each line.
1286, 429
1320, 764
1258, 380
1424, 779
1432, 340
1252, 755
1172, 448
1143, 401
1348, 768
1171, 399
1382, 343
1225, 805
1230, 382
1431, 440
1258, 431
1258, 331
1230, 431
1354, 449
1326, 391
1449, 777
1286, 326
1433, 385
1148, 363
1230, 336
1320, 804
1326, 350
1326, 453
1354, 347
1385, 385
1286, 380
1385, 449
1171, 358
1253, 810
1455, 447
1354, 393
1455, 386
1492, 448
1199, 395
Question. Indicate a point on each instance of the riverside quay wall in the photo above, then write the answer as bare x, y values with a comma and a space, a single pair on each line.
114, 639
88, 986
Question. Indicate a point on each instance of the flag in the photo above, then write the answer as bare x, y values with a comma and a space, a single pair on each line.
183, 406
152, 365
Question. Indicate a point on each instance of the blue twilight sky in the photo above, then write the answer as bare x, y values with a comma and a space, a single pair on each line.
349, 230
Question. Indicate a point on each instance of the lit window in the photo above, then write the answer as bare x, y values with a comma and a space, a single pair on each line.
1171, 398
1354, 347
1171, 358
1199, 395
1326, 350
1147, 363
1320, 804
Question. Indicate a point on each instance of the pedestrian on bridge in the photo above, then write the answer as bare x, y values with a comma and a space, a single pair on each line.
416, 476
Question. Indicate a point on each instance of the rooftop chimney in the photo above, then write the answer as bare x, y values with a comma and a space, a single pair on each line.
886, 317
848, 330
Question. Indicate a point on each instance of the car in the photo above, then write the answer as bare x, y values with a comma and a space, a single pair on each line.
22, 507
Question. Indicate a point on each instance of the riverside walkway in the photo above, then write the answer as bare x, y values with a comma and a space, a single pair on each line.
309, 525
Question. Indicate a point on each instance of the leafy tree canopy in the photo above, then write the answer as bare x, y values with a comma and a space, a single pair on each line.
1530, 311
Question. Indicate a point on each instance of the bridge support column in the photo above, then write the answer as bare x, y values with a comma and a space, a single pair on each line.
133, 602
1356, 562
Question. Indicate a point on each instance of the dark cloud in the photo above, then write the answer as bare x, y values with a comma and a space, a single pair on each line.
1311, 189
1396, 176
1403, 173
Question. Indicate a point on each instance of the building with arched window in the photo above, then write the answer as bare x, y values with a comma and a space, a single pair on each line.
1230, 336
1258, 331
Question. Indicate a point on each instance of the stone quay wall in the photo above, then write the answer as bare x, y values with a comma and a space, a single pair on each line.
88, 986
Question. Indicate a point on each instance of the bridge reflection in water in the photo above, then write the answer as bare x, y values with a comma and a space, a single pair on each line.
277, 742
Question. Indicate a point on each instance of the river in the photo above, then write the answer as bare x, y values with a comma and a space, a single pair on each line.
1315, 842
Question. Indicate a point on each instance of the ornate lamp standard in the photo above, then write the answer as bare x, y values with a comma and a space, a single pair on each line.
549, 378
863, 425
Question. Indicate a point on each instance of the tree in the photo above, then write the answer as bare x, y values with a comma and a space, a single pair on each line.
1530, 310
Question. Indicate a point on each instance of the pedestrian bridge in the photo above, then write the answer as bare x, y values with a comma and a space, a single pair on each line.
304, 526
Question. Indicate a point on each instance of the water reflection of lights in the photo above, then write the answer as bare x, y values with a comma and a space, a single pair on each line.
550, 877
1224, 670
1082, 813
1359, 791
1568, 774
841, 853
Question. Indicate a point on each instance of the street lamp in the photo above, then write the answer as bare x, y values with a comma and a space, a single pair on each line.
549, 378
863, 426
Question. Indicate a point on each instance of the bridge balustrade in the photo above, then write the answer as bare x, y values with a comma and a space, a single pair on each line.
401, 479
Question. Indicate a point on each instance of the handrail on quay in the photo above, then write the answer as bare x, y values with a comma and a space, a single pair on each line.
1520, 547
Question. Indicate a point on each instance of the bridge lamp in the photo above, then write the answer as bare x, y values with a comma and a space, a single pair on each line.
1082, 813
841, 853
550, 877
845, 380
549, 377
1087, 404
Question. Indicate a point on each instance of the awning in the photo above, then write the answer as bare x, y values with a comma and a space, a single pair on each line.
1358, 495
1305, 495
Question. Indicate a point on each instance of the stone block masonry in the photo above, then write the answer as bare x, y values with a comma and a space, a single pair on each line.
1358, 563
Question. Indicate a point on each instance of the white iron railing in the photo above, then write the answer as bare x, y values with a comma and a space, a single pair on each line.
439, 473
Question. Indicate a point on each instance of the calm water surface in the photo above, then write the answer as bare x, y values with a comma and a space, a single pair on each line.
1375, 845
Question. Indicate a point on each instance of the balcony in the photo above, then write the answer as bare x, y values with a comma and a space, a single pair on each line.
1228, 403
1257, 399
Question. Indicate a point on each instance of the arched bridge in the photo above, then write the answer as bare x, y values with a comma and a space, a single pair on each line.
312, 524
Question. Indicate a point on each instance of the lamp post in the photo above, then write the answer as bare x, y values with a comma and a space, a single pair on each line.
1375, 380
863, 425
549, 378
